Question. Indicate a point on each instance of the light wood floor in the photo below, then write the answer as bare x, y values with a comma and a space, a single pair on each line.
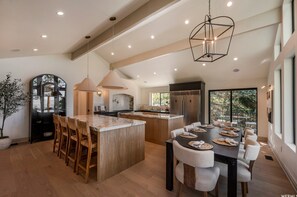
33, 170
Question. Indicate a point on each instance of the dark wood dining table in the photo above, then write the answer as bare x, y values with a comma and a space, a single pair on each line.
224, 154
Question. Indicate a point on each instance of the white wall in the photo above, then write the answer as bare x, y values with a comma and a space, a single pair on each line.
285, 152
25, 68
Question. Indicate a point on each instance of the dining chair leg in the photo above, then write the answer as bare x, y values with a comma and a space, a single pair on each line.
178, 188
205, 194
243, 189
217, 189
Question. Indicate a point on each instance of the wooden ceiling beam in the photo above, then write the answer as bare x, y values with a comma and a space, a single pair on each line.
142, 13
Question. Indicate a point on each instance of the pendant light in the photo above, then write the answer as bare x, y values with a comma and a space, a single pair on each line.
112, 80
87, 84
207, 34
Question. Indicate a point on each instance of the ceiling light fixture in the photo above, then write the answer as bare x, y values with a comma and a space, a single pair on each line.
235, 70
235, 58
35, 50
112, 80
155, 73
263, 87
203, 64
87, 84
229, 4
137, 76
175, 69
152, 37
207, 33
187, 22
129, 46
44, 36
112, 53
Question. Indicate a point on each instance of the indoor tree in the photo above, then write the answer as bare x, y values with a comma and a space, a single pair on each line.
12, 97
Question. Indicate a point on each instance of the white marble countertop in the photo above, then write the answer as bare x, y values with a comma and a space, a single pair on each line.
106, 123
154, 115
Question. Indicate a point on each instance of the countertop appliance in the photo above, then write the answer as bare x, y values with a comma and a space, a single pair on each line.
188, 99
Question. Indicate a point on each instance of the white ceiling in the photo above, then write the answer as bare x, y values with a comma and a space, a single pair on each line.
23, 22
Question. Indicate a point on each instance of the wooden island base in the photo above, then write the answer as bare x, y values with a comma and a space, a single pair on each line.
158, 126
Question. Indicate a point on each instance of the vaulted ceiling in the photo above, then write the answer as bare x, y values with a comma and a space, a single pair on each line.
256, 21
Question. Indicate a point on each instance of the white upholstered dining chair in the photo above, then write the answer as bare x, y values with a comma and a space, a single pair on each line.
177, 132
195, 169
244, 169
188, 127
196, 124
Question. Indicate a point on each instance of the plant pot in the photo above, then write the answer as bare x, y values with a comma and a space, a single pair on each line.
4, 143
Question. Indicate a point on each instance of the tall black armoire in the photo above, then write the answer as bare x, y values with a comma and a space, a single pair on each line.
48, 97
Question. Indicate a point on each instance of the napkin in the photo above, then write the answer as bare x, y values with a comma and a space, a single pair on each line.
198, 144
231, 141
190, 134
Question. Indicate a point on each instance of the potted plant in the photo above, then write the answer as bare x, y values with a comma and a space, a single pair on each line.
12, 98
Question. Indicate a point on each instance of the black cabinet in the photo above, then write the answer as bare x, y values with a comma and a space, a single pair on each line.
48, 97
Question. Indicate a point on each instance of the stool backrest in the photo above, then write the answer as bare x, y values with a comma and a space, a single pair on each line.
63, 124
56, 119
84, 131
72, 126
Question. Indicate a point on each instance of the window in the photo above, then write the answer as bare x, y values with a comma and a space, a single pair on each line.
277, 97
238, 106
160, 99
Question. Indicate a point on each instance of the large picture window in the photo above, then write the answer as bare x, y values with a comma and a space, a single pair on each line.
238, 106
160, 99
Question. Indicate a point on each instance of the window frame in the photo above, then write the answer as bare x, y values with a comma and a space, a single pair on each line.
160, 93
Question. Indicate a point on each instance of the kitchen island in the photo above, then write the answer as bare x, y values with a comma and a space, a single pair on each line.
158, 125
120, 143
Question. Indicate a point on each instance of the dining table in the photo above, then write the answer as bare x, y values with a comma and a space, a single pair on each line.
222, 153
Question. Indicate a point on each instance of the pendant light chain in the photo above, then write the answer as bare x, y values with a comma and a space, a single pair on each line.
88, 37
209, 8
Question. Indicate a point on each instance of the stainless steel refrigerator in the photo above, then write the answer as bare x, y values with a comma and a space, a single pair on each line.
189, 103
186, 103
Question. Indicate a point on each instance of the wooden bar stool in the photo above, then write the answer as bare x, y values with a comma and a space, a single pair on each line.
73, 140
64, 137
88, 142
57, 135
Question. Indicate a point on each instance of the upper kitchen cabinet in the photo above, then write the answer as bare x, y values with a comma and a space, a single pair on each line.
48, 97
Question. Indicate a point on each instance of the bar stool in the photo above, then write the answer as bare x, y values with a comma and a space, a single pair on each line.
64, 136
73, 138
57, 135
88, 142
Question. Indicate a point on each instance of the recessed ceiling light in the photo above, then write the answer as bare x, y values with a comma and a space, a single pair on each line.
155, 73
263, 87
229, 4
137, 76
112, 53
60, 13
35, 50
129, 46
235, 70
187, 22
152, 37
144, 81
235, 58
175, 69
203, 64
44, 36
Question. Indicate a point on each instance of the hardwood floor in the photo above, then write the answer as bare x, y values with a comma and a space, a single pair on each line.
33, 170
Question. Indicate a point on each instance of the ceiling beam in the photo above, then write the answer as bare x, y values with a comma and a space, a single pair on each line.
271, 17
142, 13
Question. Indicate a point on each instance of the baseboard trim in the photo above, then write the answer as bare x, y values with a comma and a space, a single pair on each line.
293, 183
20, 140
262, 139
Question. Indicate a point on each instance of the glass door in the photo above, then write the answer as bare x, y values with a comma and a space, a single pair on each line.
238, 106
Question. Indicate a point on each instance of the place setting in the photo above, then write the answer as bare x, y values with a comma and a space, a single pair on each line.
198, 130
188, 135
201, 145
229, 133
209, 126
225, 141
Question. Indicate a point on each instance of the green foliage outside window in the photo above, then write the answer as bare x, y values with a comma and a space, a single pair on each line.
160, 99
